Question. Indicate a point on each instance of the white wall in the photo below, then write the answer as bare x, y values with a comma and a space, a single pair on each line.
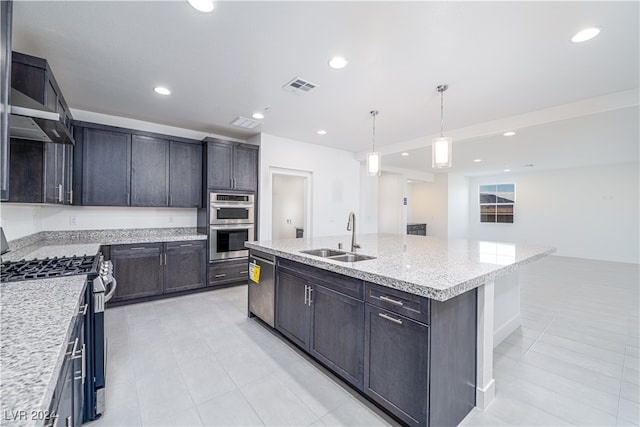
390, 207
458, 207
288, 206
19, 220
368, 220
586, 213
335, 182
418, 203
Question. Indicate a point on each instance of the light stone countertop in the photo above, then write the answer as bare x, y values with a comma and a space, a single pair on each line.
37, 318
37, 315
428, 266
87, 242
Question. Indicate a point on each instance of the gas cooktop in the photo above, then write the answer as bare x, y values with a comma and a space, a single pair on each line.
13, 271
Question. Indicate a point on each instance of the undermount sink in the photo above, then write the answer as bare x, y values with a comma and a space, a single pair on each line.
337, 255
324, 253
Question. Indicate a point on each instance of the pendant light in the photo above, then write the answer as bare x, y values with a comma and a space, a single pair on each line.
441, 147
373, 158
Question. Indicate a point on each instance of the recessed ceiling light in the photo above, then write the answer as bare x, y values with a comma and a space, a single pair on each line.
202, 5
507, 170
404, 154
510, 133
322, 132
338, 62
257, 116
162, 90
584, 35
477, 160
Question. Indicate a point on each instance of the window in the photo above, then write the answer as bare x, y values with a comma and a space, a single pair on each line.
496, 203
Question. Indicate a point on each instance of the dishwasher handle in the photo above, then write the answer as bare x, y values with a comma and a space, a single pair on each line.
261, 259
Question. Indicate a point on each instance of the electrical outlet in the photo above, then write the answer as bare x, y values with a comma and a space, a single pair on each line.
73, 220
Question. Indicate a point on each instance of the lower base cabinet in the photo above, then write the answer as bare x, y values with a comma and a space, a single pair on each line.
413, 356
228, 271
151, 269
396, 369
66, 407
322, 320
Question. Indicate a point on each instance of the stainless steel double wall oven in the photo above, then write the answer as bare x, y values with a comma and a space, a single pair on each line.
231, 223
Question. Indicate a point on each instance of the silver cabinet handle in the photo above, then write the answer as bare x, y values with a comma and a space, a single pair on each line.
70, 197
73, 350
310, 291
244, 272
187, 245
165, 258
306, 290
82, 371
219, 276
138, 249
83, 309
60, 197
394, 320
391, 301
68, 422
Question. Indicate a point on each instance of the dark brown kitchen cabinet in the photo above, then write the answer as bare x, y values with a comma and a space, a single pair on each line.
106, 167
40, 172
138, 270
33, 77
325, 322
66, 407
228, 271
185, 175
396, 368
149, 171
231, 165
185, 265
152, 269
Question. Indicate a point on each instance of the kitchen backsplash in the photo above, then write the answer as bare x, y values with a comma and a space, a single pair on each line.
19, 220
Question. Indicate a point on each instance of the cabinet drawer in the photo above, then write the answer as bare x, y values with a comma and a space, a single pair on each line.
337, 282
228, 272
411, 306
136, 247
187, 244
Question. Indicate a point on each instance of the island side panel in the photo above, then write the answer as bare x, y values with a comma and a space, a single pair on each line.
506, 307
452, 390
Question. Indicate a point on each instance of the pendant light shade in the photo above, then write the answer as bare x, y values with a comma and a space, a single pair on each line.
441, 147
373, 158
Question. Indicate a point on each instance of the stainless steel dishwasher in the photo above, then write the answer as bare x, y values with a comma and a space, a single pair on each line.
262, 301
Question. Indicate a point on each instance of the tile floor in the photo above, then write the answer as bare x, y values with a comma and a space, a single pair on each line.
198, 360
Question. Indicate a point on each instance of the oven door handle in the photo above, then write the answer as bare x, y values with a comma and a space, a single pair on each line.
114, 285
231, 227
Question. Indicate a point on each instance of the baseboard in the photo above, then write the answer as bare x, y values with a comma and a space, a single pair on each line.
506, 329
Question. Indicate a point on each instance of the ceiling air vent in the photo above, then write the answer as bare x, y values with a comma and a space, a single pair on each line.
243, 122
299, 85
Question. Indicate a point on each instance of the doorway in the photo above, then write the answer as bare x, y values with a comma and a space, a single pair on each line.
290, 200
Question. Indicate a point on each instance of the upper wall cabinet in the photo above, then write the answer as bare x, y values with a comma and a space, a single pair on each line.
33, 77
231, 165
122, 167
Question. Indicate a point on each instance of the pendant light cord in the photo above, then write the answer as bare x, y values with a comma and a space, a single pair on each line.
441, 112
374, 113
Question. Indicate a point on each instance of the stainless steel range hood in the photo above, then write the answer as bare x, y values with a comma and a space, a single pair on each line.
32, 120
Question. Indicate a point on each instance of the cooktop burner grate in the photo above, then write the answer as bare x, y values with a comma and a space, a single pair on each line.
13, 271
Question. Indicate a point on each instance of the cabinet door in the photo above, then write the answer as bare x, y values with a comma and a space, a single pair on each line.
106, 168
185, 266
185, 175
245, 168
137, 268
219, 164
337, 337
54, 173
292, 312
396, 364
149, 171
26, 176
67, 173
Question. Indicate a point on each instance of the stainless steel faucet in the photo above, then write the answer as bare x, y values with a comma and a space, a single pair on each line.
351, 226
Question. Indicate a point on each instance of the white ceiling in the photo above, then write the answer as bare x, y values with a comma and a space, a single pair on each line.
502, 60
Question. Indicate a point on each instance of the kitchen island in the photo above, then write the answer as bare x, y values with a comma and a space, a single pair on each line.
417, 319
